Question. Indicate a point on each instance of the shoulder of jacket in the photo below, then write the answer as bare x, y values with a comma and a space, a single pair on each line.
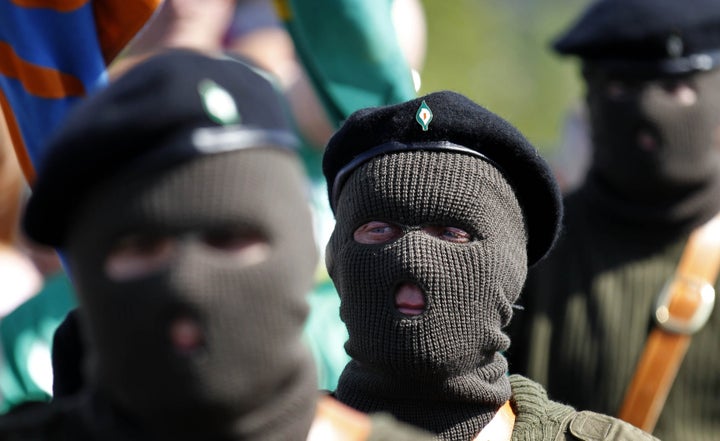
593, 426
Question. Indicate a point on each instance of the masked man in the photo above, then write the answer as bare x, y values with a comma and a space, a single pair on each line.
653, 95
440, 208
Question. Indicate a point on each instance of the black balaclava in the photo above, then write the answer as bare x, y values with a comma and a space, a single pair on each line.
442, 370
252, 378
655, 159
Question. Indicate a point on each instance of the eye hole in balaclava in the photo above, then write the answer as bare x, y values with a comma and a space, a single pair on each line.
654, 138
379, 232
141, 254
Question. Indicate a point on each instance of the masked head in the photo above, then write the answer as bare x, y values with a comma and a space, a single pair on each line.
653, 93
426, 272
440, 207
190, 243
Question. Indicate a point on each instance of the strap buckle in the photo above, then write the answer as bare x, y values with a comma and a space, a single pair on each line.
697, 292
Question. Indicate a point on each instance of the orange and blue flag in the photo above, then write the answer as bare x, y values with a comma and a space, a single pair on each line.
54, 52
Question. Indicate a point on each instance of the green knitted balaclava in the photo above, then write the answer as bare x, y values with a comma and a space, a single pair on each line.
442, 370
653, 154
251, 377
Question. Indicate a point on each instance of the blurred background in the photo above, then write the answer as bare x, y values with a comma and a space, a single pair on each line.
498, 53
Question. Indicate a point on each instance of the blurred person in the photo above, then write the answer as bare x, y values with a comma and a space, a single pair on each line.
652, 81
258, 32
192, 24
36, 294
441, 206
19, 279
11, 186
52, 54
190, 243
27, 331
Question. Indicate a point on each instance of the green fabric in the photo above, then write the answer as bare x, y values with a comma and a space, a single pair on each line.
587, 314
537, 418
26, 335
326, 334
361, 64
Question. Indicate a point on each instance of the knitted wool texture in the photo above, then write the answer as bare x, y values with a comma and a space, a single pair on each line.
442, 370
253, 377
540, 419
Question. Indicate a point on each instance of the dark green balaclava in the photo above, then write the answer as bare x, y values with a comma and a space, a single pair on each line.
656, 158
247, 376
442, 370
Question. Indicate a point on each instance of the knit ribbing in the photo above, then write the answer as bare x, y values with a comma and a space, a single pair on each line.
537, 418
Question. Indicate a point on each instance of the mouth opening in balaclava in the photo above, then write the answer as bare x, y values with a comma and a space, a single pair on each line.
410, 299
186, 336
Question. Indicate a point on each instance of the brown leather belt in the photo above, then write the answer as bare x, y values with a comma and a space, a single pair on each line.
684, 306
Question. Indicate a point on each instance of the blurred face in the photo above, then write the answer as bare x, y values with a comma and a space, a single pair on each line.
654, 135
193, 285
140, 256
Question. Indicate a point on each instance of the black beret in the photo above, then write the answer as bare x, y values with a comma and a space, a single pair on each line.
448, 121
168, 109
646, 36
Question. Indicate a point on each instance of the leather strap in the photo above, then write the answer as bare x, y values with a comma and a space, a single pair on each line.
500, 428
336, 421
683, 308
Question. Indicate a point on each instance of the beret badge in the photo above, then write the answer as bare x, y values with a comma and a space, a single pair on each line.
218, 103
424, 115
